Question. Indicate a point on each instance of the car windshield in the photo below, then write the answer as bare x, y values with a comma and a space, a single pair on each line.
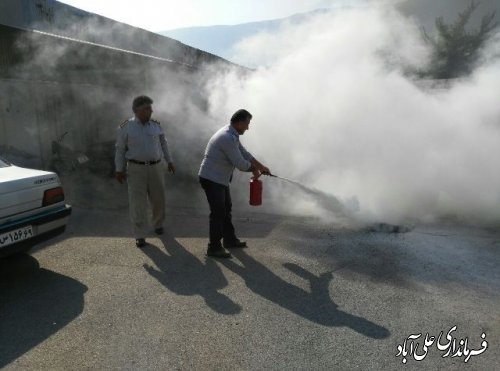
4, 163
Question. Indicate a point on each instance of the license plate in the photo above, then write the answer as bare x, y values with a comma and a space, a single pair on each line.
16, 235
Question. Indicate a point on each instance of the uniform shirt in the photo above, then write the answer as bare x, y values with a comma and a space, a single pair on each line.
223, 154
140, 142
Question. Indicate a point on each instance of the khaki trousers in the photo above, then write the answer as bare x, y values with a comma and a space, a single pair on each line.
146, 184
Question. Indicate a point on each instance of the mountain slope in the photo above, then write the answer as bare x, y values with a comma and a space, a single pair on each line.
220, 40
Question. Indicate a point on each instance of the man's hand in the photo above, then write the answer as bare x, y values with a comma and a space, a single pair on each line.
256, 165
120, 176
265, 170
171, 167
256, 174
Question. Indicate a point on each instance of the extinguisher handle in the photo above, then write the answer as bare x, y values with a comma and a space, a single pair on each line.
256, 174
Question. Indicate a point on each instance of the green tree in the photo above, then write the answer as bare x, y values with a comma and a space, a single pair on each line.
455, 50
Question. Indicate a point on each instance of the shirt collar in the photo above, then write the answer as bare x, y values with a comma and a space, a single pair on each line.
232, 130
139, 121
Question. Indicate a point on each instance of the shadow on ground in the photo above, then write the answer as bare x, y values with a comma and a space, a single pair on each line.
35, 303
184, 274
316, 306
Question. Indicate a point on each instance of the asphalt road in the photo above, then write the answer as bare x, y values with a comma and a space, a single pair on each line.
304, 295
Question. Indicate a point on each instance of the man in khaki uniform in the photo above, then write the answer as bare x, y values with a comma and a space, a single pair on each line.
140, 147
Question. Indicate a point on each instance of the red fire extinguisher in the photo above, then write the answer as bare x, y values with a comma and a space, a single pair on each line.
255, 192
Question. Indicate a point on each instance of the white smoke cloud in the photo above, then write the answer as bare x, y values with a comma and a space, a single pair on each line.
333, 109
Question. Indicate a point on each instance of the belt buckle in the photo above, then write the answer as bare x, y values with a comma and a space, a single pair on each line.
147, 163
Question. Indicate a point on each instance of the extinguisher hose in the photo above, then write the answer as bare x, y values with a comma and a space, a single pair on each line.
326, 199
279, 177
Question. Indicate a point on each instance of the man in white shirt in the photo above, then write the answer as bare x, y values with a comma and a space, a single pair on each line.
223, 154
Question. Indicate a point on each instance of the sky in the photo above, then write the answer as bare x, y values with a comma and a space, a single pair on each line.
162, 15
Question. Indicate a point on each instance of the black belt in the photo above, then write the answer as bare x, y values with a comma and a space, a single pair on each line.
144, 162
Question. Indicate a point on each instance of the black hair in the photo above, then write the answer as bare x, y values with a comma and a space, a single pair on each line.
141, 100
240, 115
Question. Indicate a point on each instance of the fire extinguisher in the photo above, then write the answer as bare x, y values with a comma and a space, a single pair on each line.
255, 192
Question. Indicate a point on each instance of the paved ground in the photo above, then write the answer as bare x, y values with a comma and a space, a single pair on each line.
305, 295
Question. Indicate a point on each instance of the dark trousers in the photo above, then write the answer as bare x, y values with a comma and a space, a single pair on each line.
219, 200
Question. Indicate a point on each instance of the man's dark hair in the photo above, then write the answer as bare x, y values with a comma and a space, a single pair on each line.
241, 115
141, 100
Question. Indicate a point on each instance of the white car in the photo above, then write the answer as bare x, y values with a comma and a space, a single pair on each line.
32, 207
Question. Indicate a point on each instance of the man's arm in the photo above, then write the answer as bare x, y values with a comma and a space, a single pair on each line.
232, 150
256, 167
166, 153
246, 155
164, 148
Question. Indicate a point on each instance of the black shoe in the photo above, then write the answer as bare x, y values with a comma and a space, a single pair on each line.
218, 252
159, 230
140, 242
234, 244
